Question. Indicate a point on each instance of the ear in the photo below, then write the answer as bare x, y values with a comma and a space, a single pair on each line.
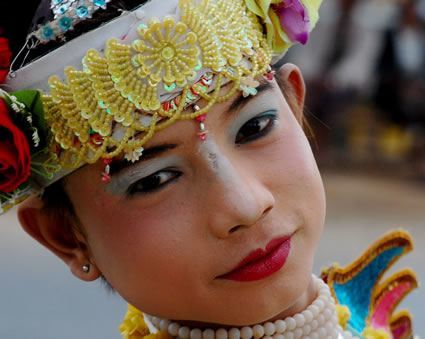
292, 84
56, 234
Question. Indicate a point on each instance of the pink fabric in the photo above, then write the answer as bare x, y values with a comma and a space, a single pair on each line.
387, 303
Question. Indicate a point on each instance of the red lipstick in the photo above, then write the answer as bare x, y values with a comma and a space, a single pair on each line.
260, 264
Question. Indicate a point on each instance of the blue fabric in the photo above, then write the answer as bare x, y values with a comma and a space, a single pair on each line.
357, 292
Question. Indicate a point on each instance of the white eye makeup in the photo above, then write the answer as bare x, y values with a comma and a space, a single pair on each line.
146, 176
255, 121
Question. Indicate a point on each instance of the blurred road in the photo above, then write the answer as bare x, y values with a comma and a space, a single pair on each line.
40, 299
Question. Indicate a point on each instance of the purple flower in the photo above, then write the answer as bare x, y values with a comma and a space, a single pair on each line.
294, 20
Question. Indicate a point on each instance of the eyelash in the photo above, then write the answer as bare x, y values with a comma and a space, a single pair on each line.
139, 187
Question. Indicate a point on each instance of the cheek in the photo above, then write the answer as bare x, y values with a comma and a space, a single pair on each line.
294, 177
143, 249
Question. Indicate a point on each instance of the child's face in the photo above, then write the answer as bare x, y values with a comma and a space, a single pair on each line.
167, 228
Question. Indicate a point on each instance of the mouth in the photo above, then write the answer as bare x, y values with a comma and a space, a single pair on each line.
260, 263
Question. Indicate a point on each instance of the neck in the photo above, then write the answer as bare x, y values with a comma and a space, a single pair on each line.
301, 304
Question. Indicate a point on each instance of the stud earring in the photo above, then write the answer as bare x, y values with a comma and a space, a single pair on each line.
86, 268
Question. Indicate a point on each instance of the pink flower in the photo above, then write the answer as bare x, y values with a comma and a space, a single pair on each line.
294, 20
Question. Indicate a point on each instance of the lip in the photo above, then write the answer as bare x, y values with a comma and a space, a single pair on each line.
260, 263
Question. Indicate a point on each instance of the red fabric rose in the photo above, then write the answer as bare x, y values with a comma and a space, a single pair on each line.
5, 58
15, 159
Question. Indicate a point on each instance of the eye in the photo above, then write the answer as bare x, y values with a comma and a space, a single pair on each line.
256, 128
153, 182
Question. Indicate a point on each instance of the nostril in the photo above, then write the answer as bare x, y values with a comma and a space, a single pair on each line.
234, 229
267, 210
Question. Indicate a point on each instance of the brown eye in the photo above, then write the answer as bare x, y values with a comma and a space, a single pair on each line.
256, 128
153, 182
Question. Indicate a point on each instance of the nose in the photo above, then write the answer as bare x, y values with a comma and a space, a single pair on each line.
236, 198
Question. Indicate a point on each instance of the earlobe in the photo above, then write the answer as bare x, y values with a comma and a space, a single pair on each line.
292, 80
56, 235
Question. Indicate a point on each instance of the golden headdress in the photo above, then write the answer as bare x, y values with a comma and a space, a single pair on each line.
106, 93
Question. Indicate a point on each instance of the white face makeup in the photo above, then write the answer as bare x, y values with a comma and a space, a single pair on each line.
264, 115
167, 228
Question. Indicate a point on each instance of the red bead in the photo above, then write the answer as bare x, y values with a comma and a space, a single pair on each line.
106, 178
166, 106
201, 118
203, 137
270, 76
107, 161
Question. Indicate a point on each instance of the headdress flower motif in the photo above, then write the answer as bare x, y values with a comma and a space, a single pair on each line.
286, 21
170, 56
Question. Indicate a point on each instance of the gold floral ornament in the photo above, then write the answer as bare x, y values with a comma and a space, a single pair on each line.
120, 98
167, 52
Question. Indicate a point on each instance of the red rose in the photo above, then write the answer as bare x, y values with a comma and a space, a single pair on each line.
5, 58
15, 159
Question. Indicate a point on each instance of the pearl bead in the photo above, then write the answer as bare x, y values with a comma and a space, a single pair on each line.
280, 326
208, 334
298, 333
329, 327
269, 328
308, 316
314, 310
327, 313
320, 304
184, 332
247, 332
289, 335
173, 329
258, 331
314, 324
163, 324
306, 329
314, 336
196, 333
321, 319
322, 332
221, 333
290, 323
155, 321
234, 333
278, 336
299, 319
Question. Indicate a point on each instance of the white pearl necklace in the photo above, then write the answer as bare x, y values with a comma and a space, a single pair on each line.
318, 320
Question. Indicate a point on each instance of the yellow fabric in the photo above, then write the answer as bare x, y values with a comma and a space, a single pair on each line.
371, 333
343, 314
134, 327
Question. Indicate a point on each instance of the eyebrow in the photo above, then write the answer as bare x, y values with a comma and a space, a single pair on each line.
241, 101
119, 165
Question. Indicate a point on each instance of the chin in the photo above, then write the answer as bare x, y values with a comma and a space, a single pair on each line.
281, 297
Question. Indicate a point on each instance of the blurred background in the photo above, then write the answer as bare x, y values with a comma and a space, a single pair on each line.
365, 72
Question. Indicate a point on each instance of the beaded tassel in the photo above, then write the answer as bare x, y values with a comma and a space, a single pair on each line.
202, 134
270, 74
106, 177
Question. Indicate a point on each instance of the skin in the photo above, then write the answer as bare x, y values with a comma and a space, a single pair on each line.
163, 251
